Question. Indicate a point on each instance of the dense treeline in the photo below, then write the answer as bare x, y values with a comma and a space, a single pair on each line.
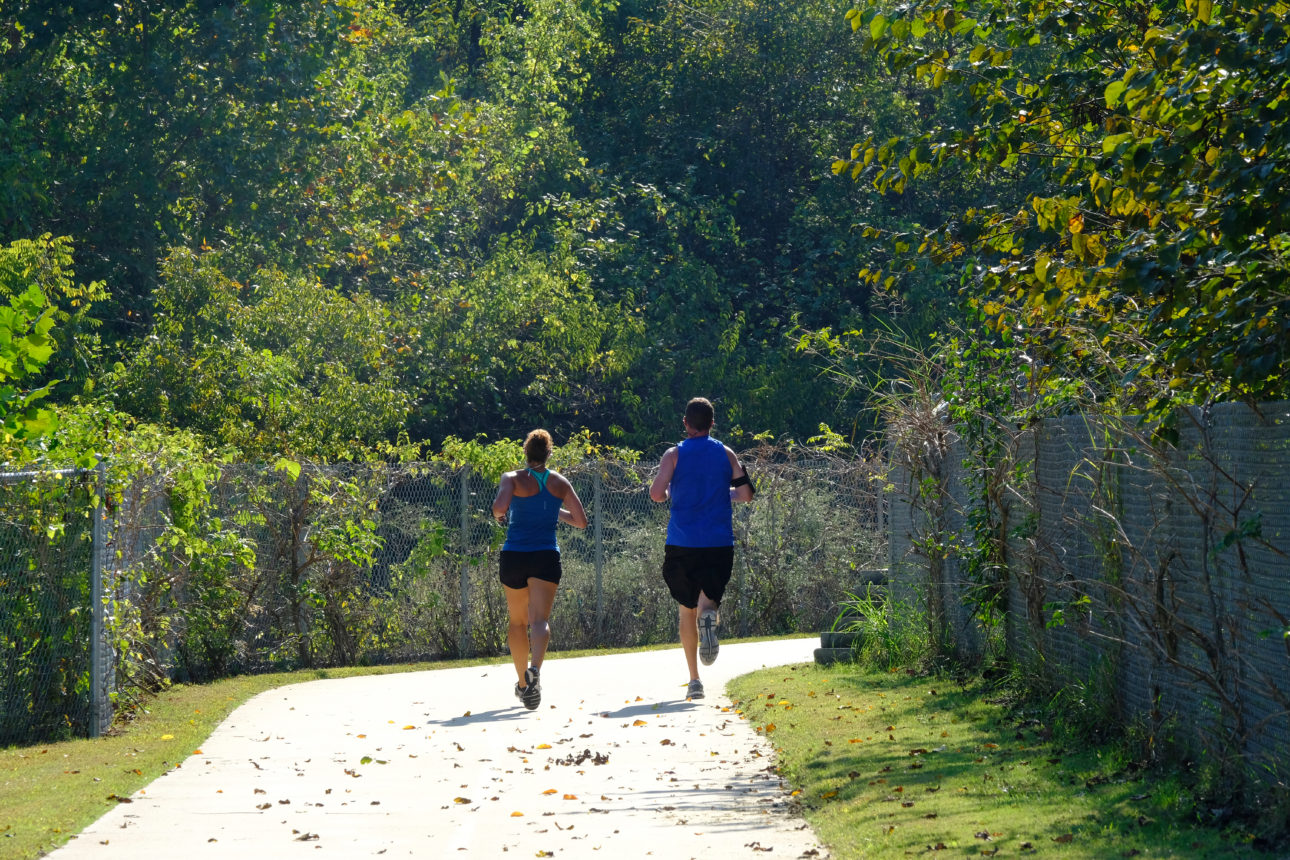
301, 228
297, 227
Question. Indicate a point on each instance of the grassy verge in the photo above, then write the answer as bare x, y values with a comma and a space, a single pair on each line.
892, 766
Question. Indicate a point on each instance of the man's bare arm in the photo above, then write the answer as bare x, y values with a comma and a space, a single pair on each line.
659, 491
743, 492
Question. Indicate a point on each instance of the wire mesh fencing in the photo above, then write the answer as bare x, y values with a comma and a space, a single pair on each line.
214, 571
51, 637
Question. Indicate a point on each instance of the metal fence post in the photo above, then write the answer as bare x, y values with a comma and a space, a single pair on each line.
600, 556
100, 709
463, 646
741, 584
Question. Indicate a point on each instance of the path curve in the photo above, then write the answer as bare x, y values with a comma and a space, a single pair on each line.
614, 763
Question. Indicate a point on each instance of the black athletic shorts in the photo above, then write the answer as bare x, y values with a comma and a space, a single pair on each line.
687, 570
516, 567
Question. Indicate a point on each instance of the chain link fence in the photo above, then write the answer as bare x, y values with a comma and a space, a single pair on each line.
218, 571
49, 580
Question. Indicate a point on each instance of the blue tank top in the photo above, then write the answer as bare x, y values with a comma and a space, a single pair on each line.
532, 519
700, 491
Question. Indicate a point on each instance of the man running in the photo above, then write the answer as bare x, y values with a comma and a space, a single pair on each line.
702, 477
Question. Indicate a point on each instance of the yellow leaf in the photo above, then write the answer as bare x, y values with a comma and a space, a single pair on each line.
826, 795
461, 800
410, 728
517, 814
770, 727
1076, 223
550, 791
167, 737
571, 797
640, 723
544, 746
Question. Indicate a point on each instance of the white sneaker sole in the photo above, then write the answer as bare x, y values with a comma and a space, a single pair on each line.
708, 643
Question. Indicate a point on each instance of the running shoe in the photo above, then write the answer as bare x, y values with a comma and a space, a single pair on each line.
708, 644
695, 690
530, 695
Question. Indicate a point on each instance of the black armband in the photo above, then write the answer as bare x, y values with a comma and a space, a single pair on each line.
742, 480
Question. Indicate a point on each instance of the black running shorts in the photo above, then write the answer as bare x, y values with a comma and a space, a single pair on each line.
687, 570
516, 567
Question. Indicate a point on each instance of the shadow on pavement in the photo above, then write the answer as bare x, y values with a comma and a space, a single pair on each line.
647, 708
472, 717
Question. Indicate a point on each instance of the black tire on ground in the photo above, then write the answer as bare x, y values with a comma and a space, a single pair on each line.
829, 656
841, 638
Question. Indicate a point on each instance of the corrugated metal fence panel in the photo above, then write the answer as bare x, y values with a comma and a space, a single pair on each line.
1172, 570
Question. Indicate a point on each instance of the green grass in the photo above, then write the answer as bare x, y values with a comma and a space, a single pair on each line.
887, 765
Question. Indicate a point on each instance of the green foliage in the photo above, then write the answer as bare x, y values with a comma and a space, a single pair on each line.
44, 608
571, 214
46, 263
276, 365
35, 279
1145, 247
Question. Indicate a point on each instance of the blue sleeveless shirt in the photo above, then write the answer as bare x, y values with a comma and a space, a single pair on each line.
700, 491
532, 519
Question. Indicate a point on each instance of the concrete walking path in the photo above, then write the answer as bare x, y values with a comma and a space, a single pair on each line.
614, 763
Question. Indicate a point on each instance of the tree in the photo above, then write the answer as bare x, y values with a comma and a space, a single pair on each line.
35, 278
278, 364
1153, 257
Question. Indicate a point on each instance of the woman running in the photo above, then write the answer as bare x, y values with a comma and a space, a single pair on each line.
536, 499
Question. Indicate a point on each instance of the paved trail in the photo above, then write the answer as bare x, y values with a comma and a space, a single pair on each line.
614, 763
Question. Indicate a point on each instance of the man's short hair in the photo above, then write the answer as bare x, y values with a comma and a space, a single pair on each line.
699, 414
